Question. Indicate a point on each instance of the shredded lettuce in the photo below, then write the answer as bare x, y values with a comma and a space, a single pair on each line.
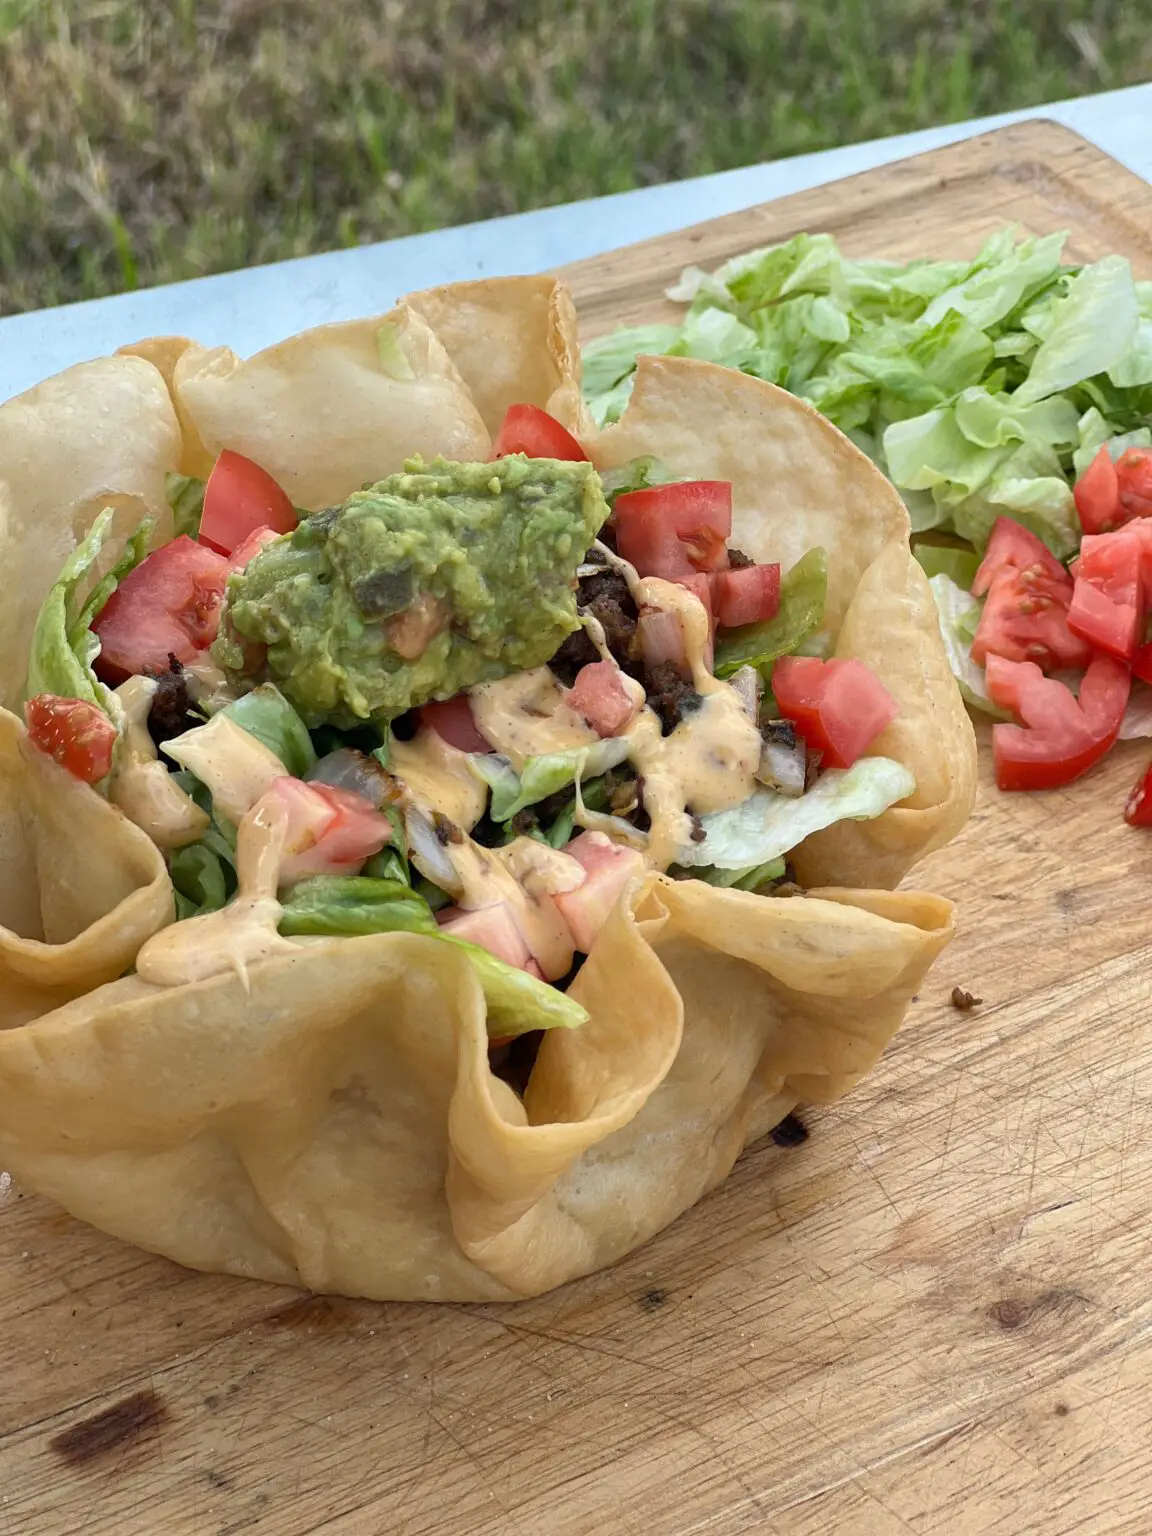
803, 592
967, 381
63, 645
766, 826
543, 776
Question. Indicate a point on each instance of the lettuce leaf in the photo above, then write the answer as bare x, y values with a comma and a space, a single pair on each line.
63, 645
959, 615
266, 714
543, 776
333, 905
185, 495
959, 565
766, 826
803, 592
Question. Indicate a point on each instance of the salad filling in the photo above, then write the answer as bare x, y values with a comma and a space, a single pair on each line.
480, 702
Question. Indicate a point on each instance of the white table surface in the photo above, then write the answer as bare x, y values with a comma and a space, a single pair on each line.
249, 309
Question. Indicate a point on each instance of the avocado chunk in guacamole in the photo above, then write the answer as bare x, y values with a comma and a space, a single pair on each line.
429, 582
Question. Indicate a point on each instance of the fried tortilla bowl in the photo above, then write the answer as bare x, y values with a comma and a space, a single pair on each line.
329, 1118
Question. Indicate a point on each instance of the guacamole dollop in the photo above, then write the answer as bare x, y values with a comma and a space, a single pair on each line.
426, 583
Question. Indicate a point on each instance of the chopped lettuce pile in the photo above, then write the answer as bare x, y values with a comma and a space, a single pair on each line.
982, 388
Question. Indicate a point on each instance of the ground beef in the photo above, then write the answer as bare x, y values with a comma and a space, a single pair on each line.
738, 560
605, 596
169, 714
669, 695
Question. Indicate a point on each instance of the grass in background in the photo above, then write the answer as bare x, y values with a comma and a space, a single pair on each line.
143, 141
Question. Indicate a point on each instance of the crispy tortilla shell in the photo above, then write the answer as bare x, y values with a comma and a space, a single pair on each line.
81, 888
798, 483
514, 342
336, 1124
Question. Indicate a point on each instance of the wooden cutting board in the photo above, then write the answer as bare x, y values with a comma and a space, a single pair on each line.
932, 1317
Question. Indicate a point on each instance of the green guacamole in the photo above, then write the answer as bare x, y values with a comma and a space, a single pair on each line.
431, 581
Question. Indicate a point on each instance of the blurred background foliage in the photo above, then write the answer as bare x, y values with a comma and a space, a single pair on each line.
143, 141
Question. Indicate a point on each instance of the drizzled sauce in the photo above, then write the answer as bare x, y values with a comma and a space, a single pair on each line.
437, 776
242, 932
141, 785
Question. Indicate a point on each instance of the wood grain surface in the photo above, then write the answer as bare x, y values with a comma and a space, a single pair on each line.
933, 1317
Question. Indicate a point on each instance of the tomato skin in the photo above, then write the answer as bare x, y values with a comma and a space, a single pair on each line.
1025, 615
1138, 808
675, 530
452, 720
239, 498
529, 430
1142, 663
1107, 599
77, 734
1097, 495
746, 596
1061, 737
257, 540
839, 706
1134, 480
169, 605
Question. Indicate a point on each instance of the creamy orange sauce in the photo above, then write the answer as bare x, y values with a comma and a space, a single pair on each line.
437, 776
524, 874
244, 931
526, 716
236, 767
141, 785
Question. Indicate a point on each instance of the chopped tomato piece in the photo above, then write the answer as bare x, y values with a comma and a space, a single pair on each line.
494, 928
257, 540
330, 831
1061, 737
1142, 663
452, 720
1107, 600
1025, 617
1097, 495
529, 430
169, 605
77, 734
239, 498
608, 868
1012, 547
747, 596
1138, 809
1134, 481
675, 530
601, 695
838, 706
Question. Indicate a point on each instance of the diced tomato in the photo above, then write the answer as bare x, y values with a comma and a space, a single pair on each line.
600, 694
1025, 617
1142, 663
239, 498
494, 928
609, 867
453, 722
1138, 809
77, 734
330, 831
257, 540
169, 605
747, 596
1012, 547
675, 530
1061, 737
1134, 481
839, 706
1107, 599
529, 430
1097, 495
